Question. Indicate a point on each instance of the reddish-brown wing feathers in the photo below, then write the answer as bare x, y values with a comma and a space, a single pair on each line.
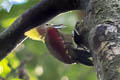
55, 45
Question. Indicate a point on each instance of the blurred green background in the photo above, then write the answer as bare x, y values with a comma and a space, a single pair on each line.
31, 60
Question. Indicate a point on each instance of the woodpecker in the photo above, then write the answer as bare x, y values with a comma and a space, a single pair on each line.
61, 45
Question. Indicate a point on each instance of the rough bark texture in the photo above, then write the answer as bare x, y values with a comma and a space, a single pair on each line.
101, 32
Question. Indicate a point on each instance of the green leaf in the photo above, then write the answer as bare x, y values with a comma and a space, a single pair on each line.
4, 68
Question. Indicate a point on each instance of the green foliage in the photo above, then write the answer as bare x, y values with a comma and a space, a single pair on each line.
32, 57
4, 68
16, 79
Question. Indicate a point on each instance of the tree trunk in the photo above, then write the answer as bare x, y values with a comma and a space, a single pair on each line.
103, 37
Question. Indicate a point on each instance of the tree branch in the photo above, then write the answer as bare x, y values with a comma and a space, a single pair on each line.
39, 14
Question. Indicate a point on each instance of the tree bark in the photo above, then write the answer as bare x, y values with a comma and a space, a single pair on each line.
102, 37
